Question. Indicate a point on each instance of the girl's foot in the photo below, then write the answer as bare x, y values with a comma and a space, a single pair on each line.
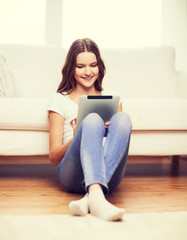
101, 208
79, 207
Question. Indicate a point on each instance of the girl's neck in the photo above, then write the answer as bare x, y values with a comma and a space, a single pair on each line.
82, 91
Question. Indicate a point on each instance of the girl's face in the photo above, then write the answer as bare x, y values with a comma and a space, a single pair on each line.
86, 70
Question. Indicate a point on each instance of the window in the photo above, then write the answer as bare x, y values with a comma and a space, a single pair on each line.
113, 23
22, 21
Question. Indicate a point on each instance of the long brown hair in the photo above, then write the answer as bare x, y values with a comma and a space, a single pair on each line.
68, 82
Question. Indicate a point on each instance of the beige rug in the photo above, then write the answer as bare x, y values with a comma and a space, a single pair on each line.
145, 226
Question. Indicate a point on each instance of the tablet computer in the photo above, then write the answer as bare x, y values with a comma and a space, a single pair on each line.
105, 105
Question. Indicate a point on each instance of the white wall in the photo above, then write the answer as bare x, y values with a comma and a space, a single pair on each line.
53, 22
113, 23
174, 29
174, 33
41, 22
22, 21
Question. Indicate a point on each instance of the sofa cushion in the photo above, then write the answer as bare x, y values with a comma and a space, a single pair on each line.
24, 114
146, 114
157, 114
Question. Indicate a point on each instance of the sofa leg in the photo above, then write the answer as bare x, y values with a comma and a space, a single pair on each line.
175, 165
175, 158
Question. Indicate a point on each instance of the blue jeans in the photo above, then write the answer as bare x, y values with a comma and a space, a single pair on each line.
89, 161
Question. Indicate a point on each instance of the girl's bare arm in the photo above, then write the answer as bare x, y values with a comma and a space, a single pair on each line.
57, 150
120, 108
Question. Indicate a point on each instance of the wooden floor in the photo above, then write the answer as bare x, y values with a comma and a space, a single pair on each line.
29, 185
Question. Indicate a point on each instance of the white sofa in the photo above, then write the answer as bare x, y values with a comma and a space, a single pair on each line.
146, 79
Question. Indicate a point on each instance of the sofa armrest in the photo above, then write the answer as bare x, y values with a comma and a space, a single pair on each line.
181, 84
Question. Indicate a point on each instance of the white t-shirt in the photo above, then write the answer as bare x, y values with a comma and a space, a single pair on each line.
66, 107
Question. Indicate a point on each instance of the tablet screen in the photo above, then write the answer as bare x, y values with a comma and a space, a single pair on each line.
104, 105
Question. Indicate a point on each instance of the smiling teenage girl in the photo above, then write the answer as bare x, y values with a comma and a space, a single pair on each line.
85, 165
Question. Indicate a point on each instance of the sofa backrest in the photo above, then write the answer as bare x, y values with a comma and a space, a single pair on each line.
37, 69
133, 73
141, 73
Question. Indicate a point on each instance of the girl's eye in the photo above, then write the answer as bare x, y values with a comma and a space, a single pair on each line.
82, 66
94, 65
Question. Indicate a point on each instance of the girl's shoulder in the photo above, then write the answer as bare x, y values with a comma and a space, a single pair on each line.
58, 103
59, 97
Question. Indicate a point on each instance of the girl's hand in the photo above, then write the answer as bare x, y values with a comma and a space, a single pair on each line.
73, 125
107, 124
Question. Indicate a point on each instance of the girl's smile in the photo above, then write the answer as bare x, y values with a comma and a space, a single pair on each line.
87, 78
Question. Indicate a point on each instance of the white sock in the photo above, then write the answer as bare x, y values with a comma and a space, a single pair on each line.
79, 207
101, 208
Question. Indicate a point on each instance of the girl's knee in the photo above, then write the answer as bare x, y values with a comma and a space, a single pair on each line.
123, 120
93, 120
